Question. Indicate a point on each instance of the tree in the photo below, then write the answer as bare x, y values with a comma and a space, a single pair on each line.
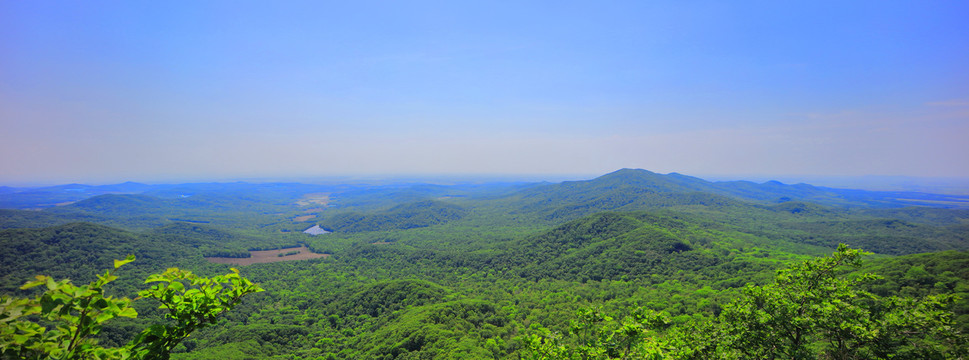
77, 313
596, 336
815, 310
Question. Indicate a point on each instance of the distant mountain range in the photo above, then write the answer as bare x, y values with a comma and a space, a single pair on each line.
625, 185
635, 188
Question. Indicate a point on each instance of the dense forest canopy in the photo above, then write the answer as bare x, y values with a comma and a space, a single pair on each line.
632, 264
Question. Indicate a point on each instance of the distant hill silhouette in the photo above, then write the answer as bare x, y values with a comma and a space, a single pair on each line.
629, 189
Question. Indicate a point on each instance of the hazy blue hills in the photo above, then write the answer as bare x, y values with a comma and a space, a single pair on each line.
645, 182
119, 203
42, 197
368, 197
45, 197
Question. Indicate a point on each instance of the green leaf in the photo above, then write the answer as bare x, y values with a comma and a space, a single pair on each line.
128, 312
41, 280
118, 263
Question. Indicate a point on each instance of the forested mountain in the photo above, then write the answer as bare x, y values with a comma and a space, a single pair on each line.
79, 251
401, 217
636, 189
502, 270
63, 194
11, 218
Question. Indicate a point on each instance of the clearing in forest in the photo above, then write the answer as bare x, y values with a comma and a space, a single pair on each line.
321, 199
268, 256
303, 218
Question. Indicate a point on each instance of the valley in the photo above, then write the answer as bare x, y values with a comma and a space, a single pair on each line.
502, 270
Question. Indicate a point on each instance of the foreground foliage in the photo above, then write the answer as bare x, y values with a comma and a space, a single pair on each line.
812, 310
63, 321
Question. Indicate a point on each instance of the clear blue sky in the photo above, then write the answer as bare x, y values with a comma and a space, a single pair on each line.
156, 90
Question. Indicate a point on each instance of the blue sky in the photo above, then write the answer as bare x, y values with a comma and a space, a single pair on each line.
147, 91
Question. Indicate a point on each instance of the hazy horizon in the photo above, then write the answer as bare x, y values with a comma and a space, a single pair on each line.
936, 185
229, 90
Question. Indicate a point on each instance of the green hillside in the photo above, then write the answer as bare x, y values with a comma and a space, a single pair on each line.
514, 270
80, 250
400, 217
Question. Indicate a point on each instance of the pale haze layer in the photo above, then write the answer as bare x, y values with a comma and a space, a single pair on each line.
144, 91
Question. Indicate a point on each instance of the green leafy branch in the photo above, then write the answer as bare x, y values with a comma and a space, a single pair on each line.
192, 302
76, 314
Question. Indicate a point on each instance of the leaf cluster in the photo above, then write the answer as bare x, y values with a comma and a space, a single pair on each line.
64, 320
